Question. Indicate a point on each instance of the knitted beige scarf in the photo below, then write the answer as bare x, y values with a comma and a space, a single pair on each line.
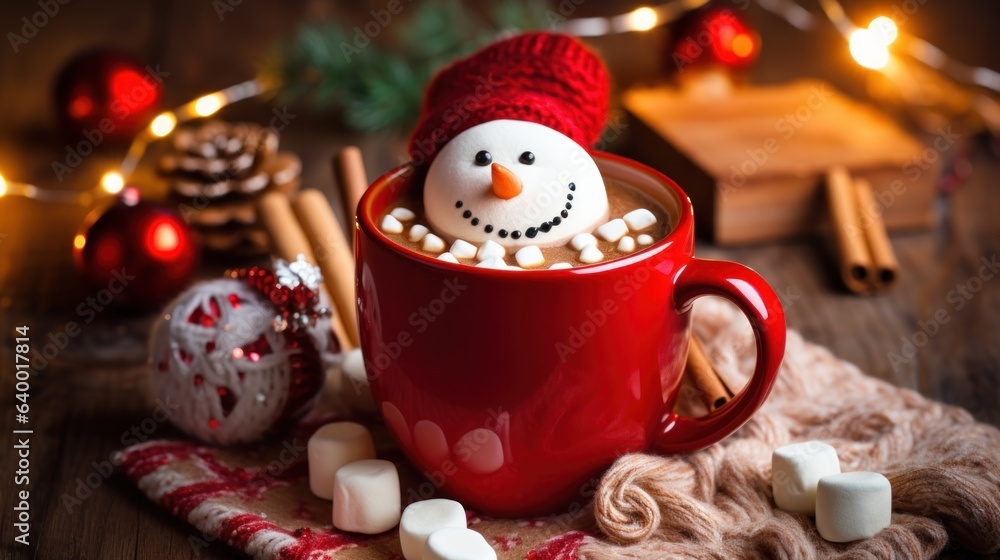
944, 467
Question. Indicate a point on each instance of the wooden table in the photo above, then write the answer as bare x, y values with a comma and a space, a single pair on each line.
87, 401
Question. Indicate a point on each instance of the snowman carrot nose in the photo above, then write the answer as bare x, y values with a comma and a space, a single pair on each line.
506, 184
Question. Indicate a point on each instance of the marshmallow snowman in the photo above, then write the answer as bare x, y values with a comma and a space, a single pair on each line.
505, 133
517, 183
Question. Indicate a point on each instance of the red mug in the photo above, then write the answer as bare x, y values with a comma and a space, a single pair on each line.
513, 390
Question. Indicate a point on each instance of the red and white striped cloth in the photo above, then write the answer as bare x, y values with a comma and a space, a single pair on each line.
256, 499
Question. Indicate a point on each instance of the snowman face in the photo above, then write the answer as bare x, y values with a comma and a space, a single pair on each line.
515, 182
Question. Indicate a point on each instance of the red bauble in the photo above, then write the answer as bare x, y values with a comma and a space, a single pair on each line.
106, 94
143, 253
716, 35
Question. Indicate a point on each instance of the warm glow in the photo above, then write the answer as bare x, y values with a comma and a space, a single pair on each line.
166, 239
884, 29
209, 104
79, 241
642, 19
163, 124
112, 182
742, 45
3, 186
869, 49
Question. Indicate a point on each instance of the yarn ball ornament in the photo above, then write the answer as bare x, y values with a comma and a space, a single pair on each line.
238, 358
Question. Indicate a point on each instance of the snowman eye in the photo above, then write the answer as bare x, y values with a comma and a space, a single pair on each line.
483, 158
527, 158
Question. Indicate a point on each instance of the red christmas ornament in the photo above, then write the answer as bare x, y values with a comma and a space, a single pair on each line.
106, 94
143, 253
716, 35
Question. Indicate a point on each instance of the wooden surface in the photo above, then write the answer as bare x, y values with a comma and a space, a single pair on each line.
754, 159
85, 403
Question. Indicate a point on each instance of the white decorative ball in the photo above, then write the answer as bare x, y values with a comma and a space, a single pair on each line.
223, 370
516, 183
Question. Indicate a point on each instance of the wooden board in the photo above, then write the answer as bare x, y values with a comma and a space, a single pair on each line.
752, 162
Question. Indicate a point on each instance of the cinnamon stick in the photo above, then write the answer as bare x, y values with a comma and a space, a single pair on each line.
349, 172
856, 267
288, 241
712, 390
333, 253
886, 266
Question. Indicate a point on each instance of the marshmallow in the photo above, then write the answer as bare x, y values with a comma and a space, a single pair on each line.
559, 265
626, 245
455, 543
420, 519
432, 243
463, 249
490, 249
645, 239
391, 225
613, 230
581, 240
417, 232
853, 506
493, 262
366, 497
529, 257
795, 471
402, 214
333, 446
447, 257
591, 254
638, 220
354, 387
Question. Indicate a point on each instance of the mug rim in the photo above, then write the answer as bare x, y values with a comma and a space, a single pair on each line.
364, 221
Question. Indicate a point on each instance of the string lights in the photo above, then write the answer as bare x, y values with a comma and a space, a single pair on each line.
870, 47
639, 19
113, 181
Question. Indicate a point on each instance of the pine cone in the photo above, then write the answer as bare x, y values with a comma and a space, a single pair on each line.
217, 171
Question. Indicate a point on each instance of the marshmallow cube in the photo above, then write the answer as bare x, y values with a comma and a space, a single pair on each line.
795, 471
366, 497
493, 262
447, 257
463, 249
853, 506
432, 243
489, 250
581, 240
638, 220
391, 225
645, 239
333, 446
402, 214
560, 265
452, 543
529, 257
417, 232
626, 245
591, 254
420, 519
355, 389
613, 230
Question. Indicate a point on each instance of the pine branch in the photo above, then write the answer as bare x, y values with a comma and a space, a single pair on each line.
377, 89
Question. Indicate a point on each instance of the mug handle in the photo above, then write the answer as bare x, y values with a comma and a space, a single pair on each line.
745, 288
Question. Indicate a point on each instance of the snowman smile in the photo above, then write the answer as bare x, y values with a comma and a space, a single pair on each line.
530, 232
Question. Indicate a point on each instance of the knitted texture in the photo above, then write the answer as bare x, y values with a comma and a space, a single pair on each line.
944, 467
712, 504
544, 78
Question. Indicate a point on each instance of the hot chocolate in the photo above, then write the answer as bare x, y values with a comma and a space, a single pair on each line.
635, 221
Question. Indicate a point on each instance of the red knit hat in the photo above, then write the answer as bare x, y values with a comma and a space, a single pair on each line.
544, 78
